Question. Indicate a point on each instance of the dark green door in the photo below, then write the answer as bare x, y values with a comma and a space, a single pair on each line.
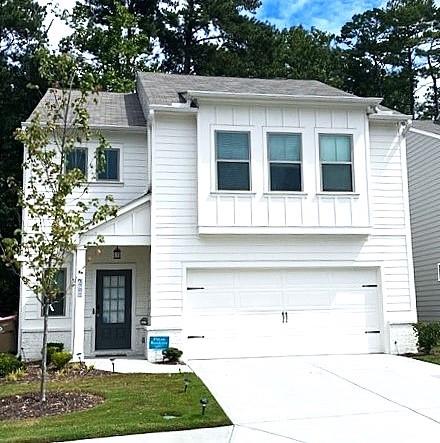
113, 309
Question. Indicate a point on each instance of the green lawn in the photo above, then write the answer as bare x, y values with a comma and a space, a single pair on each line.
134, 403
432, 358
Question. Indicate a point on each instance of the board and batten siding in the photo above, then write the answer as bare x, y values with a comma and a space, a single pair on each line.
424, 198
177, 244
288, 212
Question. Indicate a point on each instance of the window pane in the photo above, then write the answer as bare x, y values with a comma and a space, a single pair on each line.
233, 176
343, 148
335, 148
77, 159
58, 305
284, 147
327, 148
337, 177
232, 145
285, 177
110, 169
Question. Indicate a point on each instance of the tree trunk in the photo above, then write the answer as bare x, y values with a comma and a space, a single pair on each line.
411, 83
434, 86
188, 39
44, 353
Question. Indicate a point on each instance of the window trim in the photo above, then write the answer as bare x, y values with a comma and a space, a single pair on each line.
86, 149
248, 161
348, 134
288, 162
266, 171
111, 180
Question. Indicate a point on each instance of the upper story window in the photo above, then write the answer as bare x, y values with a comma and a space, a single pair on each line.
233, 160
284, 155
336, 160
58, 307
77, 159
110, 168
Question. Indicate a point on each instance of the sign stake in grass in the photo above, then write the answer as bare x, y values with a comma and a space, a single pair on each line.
186, 383
113, 364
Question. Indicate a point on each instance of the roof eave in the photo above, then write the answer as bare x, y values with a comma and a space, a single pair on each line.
390, 117
348, 100
27, 123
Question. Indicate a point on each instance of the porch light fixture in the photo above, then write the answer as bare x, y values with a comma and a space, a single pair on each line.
117, 253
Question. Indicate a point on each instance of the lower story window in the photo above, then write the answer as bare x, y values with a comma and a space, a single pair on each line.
58, 306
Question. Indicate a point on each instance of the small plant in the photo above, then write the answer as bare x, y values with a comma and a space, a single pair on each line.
8, 364
60, 359
52, 348
16, 375
428, 335
172, 355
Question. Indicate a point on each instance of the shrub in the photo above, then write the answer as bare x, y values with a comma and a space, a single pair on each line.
9, 363
53, 347
172, 354
16, 375
428, 335
60, 359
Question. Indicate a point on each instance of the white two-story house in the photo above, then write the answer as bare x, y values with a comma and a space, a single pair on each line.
257, 218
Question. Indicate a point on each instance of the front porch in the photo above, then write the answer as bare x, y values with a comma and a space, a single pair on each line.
111, 291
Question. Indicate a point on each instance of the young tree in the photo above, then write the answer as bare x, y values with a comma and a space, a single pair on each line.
54, 196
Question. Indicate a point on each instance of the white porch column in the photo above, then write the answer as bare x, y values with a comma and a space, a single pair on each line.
78, 303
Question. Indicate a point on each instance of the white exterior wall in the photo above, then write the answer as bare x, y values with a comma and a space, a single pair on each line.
177, 245
133, 184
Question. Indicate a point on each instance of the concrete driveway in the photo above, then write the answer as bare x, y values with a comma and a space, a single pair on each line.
341, 399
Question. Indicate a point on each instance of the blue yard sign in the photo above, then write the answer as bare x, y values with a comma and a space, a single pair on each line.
159, 342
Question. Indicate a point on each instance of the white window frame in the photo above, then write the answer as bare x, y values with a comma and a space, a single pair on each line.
92, 173
329, 131
112, 180
266, 170
214, 178
287, 162
438, 272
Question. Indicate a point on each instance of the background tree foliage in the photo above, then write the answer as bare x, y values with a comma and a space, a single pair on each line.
392, 52
21, 33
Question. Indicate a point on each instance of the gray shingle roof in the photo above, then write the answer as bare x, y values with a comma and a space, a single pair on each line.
426, 125
164, 89
111, 109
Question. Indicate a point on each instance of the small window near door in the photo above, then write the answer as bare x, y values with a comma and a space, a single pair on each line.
336, 159
77, 159
58, 307
284, 154
233, 160
110, 168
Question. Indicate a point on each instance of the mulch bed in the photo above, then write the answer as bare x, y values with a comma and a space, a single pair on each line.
29, 405
73, 370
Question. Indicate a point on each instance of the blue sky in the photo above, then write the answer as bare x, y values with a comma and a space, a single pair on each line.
327, 15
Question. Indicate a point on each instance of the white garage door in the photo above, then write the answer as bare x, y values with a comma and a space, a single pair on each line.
269, 312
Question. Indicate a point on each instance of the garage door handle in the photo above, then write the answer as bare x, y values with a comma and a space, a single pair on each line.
195, 336
372, 332
282, 315
287, 317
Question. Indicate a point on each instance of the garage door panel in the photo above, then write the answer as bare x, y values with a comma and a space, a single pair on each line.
255, 299
239, 312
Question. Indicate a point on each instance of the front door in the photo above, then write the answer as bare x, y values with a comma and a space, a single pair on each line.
113, 309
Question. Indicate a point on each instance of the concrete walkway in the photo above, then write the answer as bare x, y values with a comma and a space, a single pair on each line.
134, 365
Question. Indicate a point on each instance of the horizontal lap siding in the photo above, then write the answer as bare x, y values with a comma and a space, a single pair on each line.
424, 193
176, 241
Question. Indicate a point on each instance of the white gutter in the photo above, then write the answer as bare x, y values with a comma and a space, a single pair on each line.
352, 100
104, 127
